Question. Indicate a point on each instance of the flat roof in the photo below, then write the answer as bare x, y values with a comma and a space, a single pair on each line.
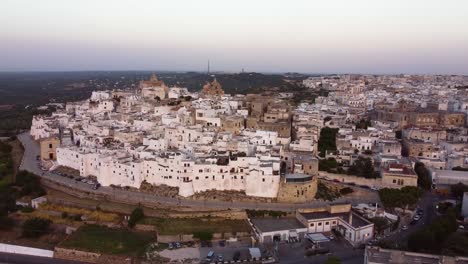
317, 237
356, 220
276, 224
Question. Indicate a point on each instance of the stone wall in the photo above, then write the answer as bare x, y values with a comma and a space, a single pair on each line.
77, 255
90, 257
352, 179
297, 192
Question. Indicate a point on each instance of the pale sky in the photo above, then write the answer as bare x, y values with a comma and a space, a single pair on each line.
333, 36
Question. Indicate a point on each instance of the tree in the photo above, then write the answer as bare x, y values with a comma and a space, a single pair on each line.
6, 223
136, 215
398, 134
35, 227
328, 165
363, 124
458, 189
406, 196
380, 224
424, 177
362, 167
327, 140
203, 235
333, 260
346, 190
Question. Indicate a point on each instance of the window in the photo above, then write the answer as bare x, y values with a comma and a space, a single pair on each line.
320, 224
334, 222
50, 145
312, 224
327, 223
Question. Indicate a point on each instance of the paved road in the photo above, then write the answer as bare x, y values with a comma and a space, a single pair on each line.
21, 259
427, 204
30, 164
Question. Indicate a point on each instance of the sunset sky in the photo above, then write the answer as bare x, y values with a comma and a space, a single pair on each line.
359, 36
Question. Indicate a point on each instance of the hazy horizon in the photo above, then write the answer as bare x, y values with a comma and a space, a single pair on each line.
361, 37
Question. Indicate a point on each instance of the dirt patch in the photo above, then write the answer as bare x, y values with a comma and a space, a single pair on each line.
48, 241
229, 196
162, 190
187, 255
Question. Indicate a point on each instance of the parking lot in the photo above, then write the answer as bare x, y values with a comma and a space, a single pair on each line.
297, 252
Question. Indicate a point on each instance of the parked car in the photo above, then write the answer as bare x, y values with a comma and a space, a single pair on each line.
210, 256
461, 227
404, 228
336, 180
374, 188
177, 244
416, 218
190, 244
84, 180
170, 245
220, 258
331, 237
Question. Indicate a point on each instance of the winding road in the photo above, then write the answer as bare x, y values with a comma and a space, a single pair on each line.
29, 163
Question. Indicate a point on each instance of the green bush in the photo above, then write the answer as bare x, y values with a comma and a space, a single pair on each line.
325, 193
6, 223
406, 196
203, 235
27, 209
346, 190
136, 215
35, 227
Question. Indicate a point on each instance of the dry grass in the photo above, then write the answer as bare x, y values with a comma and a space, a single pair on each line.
92, 215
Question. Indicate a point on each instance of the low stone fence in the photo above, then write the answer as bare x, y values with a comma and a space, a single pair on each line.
77, 255
90, 257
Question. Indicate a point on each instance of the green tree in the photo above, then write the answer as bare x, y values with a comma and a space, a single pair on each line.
363, 124
203, 235
458, 189
406, 196
362, 167
136, 215
327, 140
424, 177
35, 227
380, 224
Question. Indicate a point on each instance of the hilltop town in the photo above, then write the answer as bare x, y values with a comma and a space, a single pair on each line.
361, 157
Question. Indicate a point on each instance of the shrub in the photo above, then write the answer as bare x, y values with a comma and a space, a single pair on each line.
27, 209
136, 215
203, 235
346, 190
35, 227
6, 223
